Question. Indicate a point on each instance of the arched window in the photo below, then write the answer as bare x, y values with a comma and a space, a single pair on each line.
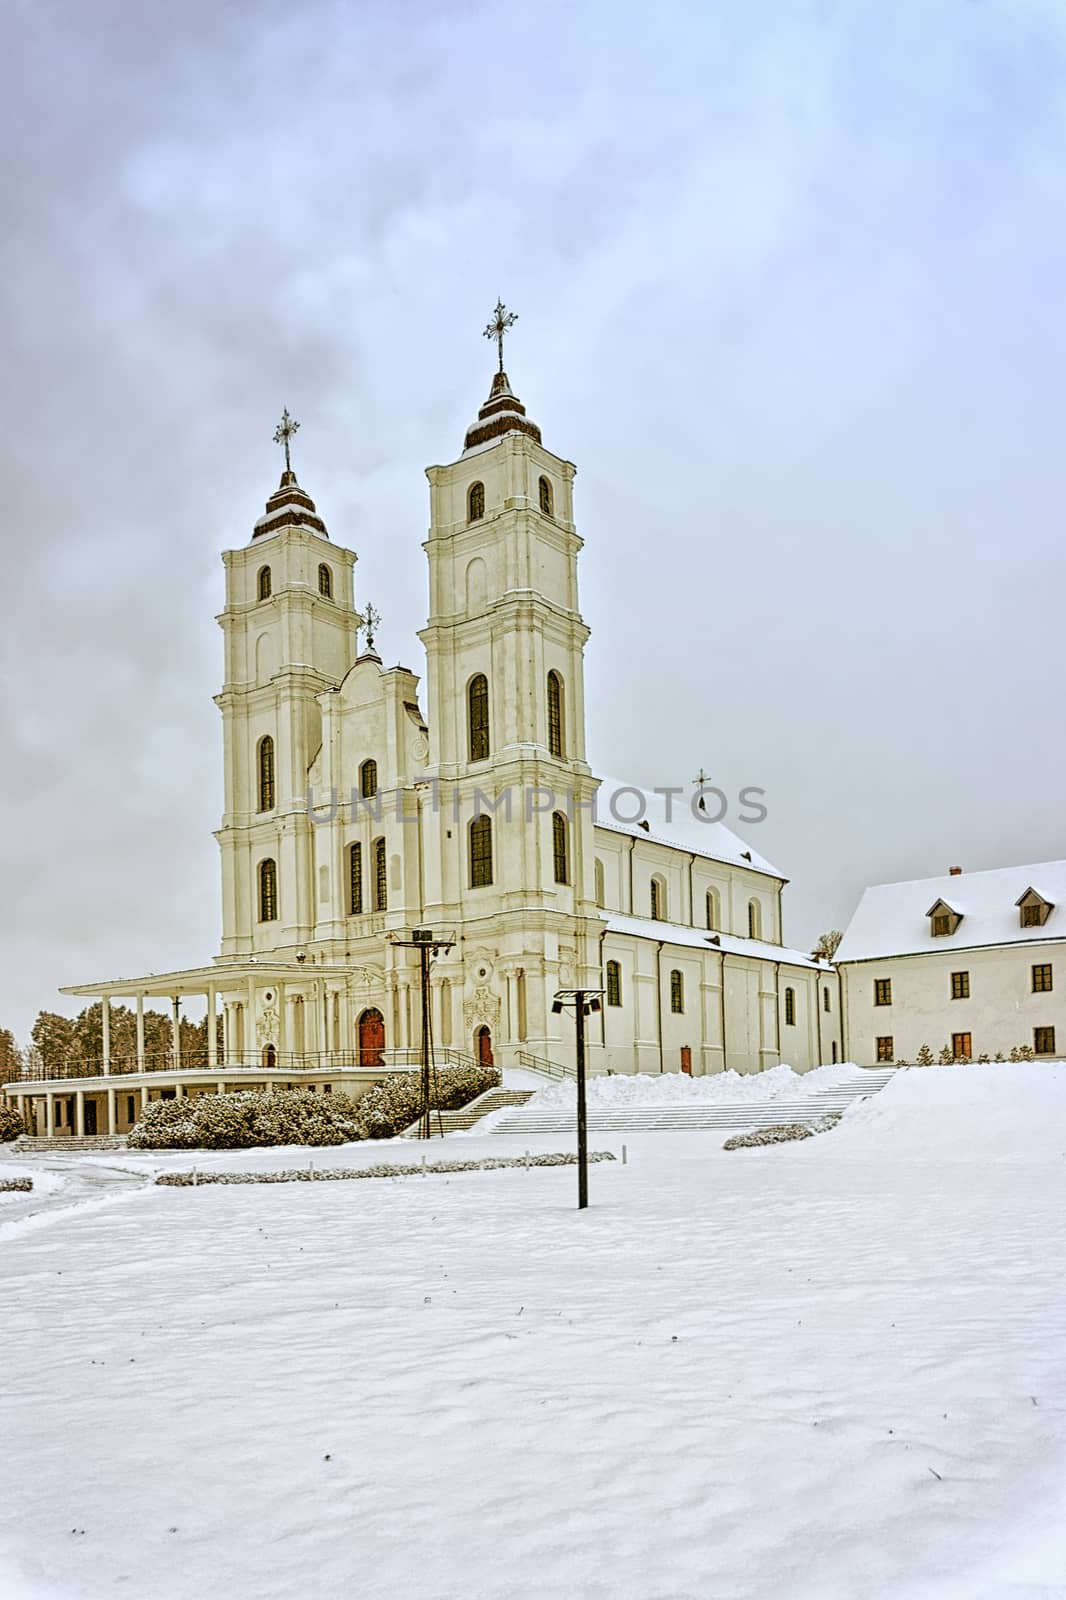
555, 714
381, 876
560, 848
713, 910
478, 717
480, 852
266, 773
325, 581
754, 920
264, 583
545, 497
475, 502
614, 983
677, 991
790, 1008
355, 880
658, 898
601, 895
268, 891
368, 779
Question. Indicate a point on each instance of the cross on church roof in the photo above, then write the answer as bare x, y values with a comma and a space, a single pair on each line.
371, 618
283, 433
502, 319
700, 781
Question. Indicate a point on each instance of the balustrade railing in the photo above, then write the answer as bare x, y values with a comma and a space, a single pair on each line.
264, 1061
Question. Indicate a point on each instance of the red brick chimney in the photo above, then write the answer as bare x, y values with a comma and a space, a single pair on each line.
955, 872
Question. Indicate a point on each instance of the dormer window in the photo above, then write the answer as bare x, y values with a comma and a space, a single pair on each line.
1033, 909
475, 502
943, 919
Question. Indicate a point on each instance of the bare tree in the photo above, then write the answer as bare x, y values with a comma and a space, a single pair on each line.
826, 948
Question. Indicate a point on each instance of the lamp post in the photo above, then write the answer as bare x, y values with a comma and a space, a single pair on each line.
428, 944
581, 1002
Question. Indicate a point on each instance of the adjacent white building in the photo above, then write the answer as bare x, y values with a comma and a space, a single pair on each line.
971, 962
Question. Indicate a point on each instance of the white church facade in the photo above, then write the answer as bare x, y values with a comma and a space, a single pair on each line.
362, 803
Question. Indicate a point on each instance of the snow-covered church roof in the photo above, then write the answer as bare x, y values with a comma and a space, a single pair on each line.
894, 919
672, 819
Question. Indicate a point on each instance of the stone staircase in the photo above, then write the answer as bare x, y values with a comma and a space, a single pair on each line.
473, 1111
712, 1115
73, 1145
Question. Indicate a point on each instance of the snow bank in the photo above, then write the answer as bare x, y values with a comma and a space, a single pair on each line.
677, 1088
43, 1182
1005, 1111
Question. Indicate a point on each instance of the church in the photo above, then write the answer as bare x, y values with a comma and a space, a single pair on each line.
363, 802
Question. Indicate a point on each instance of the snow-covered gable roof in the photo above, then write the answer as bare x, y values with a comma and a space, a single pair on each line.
892, 919
673, 821
699, 939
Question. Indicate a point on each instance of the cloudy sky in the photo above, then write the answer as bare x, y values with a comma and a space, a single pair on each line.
790, 284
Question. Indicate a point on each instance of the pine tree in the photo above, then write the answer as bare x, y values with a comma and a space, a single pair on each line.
924, 1057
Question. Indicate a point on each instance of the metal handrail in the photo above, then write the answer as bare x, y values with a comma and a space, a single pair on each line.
551, 1069
282, 1060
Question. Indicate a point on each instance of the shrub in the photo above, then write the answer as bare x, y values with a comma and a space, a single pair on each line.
11, 1124
945, 1057
924, 1057
392, 1105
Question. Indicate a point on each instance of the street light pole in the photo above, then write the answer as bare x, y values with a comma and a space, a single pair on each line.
581, 1002
428, 944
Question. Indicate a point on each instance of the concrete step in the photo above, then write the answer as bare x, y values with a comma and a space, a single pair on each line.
466, 1116
72, 1145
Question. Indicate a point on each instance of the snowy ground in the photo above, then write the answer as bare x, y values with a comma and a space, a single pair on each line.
829, 1369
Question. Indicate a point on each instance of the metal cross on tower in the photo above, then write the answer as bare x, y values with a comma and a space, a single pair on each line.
283, 433
502, 319
371, 618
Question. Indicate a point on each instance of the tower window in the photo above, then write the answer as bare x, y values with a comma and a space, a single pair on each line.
754, 920
381, 876
478, 717
677, 991
790, 1008
614, 983
266, 773
268, 891
545, 489
368, 779
555, 713
325, 582
264, 583
480, 852
355, 880
658, 899
560, 848
475, 502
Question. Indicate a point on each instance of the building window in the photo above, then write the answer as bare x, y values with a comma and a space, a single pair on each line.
555, 715
601, 893
1042, 978
886, 1049
790, 1008
475, 502
1044, 1041
355, 880
545, 489
677, 991
658, 899
754, 920
560, 848
266, 773
713, 913
478, 717
368, 779
481, 852
960, 985
962, 1046
381, 877
268, 891
614, 983
882, 991
941, 924
827, 1004
325, 582
264, 583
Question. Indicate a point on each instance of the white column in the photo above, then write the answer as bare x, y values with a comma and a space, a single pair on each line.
212, 1027
283, 1025
322, 1030
79, 1113
175, 1032
49, 1116
221, 1086
105, 1020
112, 1114
140, 1033
179, 1091
249, 1025
21, 1103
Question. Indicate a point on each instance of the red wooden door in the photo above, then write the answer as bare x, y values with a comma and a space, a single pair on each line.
484, 1047
371, 1039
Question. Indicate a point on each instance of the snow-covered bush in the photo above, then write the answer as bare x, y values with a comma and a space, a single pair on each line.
924, 1058
946, 1057
16, 1185
783, 1133
392, 1105
249, 1118
11, 1124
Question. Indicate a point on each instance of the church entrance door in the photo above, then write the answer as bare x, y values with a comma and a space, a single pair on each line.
371, 1039
483, 1047
270, 1056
